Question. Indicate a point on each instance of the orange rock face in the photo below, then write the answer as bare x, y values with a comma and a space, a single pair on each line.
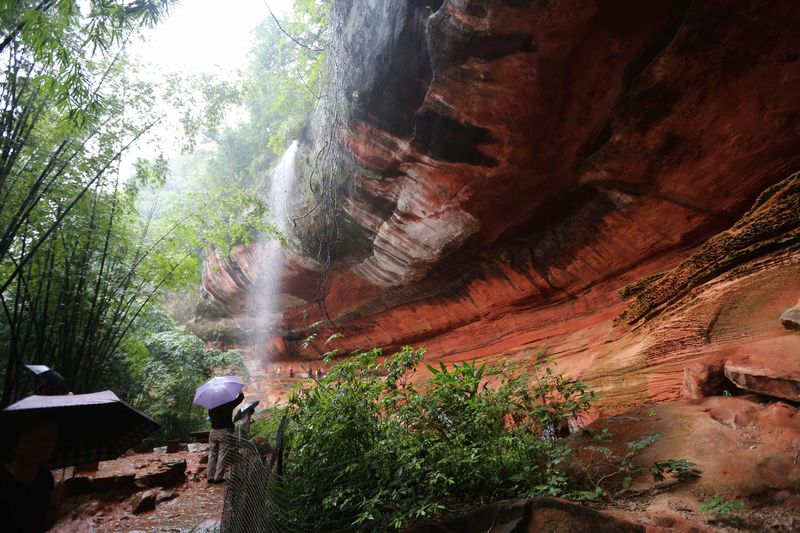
744, 451
513, 165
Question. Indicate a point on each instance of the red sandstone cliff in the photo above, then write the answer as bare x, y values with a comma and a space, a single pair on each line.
581, 176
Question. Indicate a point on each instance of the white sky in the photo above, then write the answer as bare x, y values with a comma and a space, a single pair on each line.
206, 35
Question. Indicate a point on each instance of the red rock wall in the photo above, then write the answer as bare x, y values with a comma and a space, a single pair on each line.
518, 163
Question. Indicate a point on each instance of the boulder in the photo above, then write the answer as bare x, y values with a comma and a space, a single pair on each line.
87, 467
166, 495
173, 446
673, 522
791, 318
104, 483
144, 501
770, 375
560, 516
703, 380
90, 508
197, 447
126, 481
169, 474
79, 485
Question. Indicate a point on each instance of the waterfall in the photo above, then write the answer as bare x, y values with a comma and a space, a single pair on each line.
263, 297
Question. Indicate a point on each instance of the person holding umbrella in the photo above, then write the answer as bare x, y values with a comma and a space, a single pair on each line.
40, 433
52, 383
245, 414
26, 485
220, 395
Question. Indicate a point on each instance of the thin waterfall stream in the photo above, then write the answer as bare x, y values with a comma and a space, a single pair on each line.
263, 297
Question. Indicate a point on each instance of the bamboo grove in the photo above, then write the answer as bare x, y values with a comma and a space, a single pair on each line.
72, 253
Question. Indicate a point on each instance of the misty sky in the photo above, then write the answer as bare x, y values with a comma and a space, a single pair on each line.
212, 36
206, 35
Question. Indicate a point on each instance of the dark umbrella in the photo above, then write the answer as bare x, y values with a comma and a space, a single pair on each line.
248, 407
50, 376
91, 427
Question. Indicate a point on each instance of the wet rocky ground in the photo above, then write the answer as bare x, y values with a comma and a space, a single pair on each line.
142, 492
746, 450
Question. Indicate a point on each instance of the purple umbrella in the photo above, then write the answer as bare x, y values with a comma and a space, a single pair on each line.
218, 390
91, 427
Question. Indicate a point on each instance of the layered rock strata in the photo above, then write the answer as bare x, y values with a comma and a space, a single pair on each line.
510, 166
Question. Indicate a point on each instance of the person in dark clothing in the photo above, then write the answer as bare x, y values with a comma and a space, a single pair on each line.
26, 485
220, 437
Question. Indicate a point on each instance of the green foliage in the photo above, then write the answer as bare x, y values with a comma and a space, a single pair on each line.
265, 423
627, 467
70, 241
378, 453
59, 39
279, 89
617, 472
167, 365
720, 509
286, 79
213, 195
679, 468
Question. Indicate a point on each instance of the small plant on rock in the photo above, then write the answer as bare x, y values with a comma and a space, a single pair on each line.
679, 468
721, 509
620, 471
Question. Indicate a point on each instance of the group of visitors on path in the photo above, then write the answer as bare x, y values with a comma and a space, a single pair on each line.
310, 373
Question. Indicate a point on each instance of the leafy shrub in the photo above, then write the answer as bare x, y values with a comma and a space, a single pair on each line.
375, 453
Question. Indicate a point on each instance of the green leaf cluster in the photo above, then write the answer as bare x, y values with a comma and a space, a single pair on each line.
720, 510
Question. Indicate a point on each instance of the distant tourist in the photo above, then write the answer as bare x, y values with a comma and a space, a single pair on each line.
51, 383
278, 373
26, 486
220, 438
319, 373
291, 372
310, 373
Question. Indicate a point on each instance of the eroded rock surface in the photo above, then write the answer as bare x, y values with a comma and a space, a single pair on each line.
703, 380
745, 450
510, 166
